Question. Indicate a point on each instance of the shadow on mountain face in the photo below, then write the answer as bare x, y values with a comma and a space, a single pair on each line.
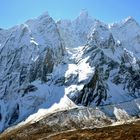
36, 88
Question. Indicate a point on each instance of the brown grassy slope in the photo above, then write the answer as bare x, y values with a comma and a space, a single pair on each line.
122, 132
129, 131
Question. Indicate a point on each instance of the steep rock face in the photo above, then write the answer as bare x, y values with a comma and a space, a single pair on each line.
28, 52
128, 32
116, 77
75, 33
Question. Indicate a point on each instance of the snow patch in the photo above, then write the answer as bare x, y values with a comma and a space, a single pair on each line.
33, 42
120, 114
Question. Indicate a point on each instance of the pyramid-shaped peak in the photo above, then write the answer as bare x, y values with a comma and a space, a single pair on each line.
84, 13
44, 15
130, 20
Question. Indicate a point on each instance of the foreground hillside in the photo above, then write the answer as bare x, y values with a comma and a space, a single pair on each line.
121, 132
126, 131
75, 124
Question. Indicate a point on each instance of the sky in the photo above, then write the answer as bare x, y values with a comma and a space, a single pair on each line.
13, 12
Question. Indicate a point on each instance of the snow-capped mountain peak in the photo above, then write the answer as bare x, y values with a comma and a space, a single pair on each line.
83, 14
44, 15
129, 20
66, 64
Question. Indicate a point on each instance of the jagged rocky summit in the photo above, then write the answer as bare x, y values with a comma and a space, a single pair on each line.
48, 66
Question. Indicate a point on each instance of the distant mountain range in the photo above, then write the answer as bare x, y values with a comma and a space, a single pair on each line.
85, 67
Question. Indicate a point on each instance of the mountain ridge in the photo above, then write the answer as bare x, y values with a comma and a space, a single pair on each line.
61, 65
